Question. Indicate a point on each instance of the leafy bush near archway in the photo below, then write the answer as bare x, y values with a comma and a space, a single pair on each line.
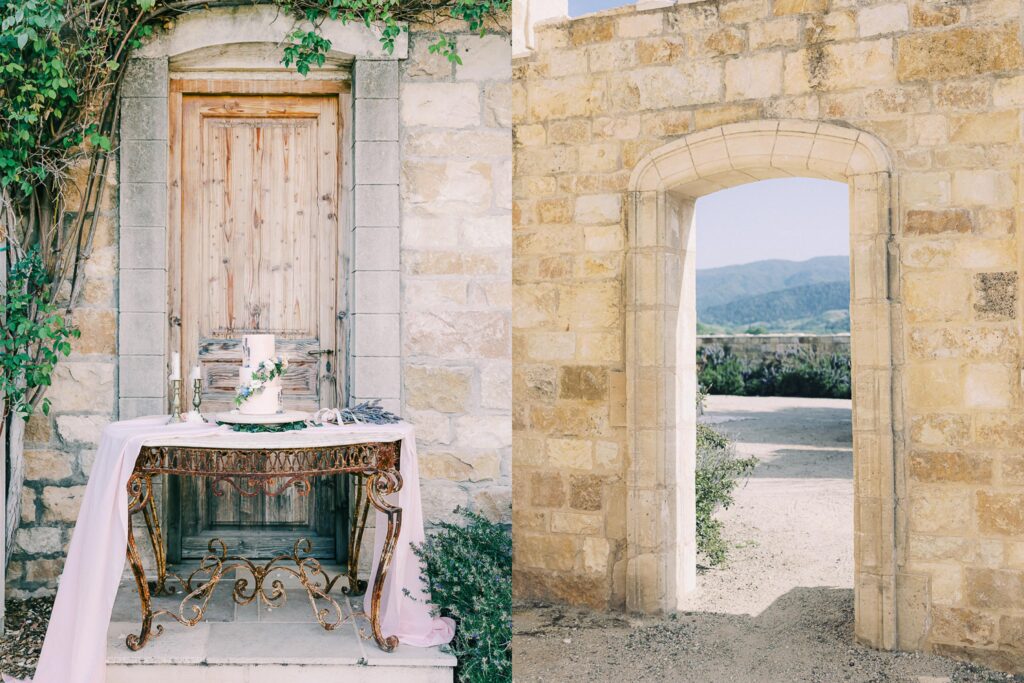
719, 472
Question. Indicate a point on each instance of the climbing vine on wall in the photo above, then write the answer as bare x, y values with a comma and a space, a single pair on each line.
310, 48
61, 66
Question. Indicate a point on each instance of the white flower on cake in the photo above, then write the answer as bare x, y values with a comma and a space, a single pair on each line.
259, 386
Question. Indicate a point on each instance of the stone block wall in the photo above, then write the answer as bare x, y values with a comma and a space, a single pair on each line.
59, 448
756, 346
456, 265
942, 87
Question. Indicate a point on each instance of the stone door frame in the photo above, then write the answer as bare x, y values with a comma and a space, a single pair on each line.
661, 354
369, 206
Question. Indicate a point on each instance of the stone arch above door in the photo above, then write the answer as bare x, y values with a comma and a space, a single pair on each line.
660, 353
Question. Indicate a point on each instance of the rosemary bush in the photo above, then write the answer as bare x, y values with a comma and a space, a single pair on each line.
793, 373
719, 472
468, 569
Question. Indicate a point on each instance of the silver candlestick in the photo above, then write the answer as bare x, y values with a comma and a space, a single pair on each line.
197, 400
176, 415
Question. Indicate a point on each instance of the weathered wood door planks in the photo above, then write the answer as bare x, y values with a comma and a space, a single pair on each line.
259, 251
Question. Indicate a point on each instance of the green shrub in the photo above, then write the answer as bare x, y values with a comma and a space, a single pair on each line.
719, 472
468, 569
794, 373
720, 371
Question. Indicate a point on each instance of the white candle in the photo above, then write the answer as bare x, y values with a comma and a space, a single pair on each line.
175, 365
195, 374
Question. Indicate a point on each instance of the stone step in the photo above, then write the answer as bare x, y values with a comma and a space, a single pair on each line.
255, 643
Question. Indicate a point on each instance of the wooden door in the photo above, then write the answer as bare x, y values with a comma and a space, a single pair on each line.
259, 253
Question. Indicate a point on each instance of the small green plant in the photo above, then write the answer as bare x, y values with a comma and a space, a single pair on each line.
719, 472
32, 339
468, 569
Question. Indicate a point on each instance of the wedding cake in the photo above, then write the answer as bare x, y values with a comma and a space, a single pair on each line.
259, 378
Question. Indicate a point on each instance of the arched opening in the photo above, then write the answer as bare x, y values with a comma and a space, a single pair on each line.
661, 354
774, 448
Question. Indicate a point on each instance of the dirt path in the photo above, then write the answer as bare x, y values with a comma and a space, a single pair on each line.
781, 611
792, 522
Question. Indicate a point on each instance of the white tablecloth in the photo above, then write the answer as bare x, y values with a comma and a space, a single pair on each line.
75, 647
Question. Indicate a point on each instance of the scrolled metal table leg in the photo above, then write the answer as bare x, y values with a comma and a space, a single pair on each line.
378, 485
156, 539
355, 541
139, 493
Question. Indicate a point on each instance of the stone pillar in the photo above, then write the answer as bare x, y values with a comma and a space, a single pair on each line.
376, 340
142, 332
526, 14
661, 378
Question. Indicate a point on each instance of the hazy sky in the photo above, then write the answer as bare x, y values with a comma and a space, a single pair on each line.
792, 218
578, 7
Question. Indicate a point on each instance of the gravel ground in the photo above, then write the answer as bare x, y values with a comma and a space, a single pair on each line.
23, 639
781, 611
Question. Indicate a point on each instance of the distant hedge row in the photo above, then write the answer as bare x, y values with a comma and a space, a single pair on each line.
793, 373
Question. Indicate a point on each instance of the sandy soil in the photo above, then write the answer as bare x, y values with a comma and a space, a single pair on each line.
781, 610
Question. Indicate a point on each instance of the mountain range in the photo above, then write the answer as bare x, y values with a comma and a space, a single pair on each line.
776, 296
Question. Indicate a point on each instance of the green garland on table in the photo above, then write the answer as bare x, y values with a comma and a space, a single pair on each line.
265, 428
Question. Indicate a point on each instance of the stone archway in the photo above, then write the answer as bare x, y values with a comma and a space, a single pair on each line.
660, 354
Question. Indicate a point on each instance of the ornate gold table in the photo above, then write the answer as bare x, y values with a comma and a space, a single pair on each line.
264, 464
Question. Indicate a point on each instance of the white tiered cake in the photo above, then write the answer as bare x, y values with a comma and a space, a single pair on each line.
262, 398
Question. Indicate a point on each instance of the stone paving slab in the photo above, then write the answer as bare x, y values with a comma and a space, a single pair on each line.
254, 643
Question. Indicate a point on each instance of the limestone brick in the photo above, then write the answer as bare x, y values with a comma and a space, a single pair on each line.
83, 429
932, 14
460, 466
784, 7
82, 386
768, 34
840, 66
989, 588
660, 50
725, 41
48, 465
934, 296
989, 386
995, 295
939, 510
441, 388
881, 19
443, 105
1003, 126
1001, 513
983, 188
566, 454
60, 503
958, 52
931, 467
753, 77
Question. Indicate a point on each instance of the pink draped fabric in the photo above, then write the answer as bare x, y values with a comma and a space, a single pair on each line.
407, 616
74, 650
